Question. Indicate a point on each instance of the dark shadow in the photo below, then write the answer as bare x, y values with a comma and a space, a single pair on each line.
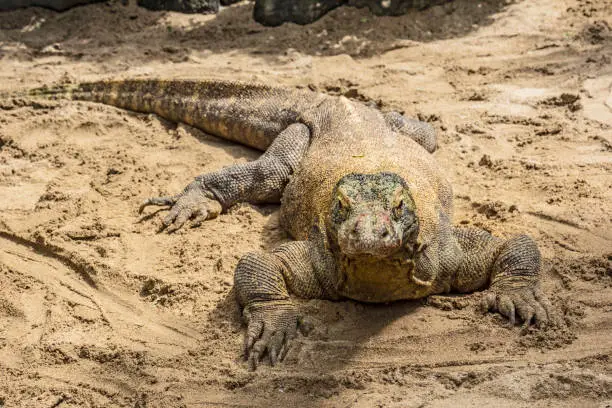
152, 214
316, 367
234, 149
110, 32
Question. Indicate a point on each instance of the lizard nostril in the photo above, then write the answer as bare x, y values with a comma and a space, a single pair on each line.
356, 227
385, 232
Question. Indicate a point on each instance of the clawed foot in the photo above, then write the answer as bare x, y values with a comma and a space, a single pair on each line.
529, 303
193, 203
271, 326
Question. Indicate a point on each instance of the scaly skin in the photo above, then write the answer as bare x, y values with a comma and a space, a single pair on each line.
360, 192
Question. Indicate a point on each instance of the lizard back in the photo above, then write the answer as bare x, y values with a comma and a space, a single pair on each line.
349, 137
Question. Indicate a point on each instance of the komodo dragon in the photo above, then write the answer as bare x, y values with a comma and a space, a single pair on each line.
360, 192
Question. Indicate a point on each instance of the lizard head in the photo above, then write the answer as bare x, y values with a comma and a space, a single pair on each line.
372, 214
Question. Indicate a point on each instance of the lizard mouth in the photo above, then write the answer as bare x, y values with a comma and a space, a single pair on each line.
356, 249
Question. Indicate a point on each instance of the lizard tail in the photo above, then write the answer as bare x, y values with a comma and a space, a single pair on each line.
64, 91
246, 113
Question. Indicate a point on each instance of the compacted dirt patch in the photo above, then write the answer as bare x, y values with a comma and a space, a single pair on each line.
98, 309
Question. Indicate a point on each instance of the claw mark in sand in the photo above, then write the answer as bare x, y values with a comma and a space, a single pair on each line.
84, 270
554, 218
127, 319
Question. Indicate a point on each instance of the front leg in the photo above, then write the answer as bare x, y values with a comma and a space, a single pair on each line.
510, 267
262, 180
263, 281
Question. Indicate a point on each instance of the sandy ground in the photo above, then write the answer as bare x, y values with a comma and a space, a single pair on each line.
99, 310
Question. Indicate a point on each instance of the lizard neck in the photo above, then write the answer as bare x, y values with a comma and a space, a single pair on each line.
370, 279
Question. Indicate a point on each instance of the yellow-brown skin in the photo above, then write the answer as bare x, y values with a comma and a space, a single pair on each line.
314, 145
235, 111
346, 137
370, 147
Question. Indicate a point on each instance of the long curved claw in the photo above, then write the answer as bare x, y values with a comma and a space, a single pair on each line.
274, 346
253, 332
157, 201
528, 303
201, 215
259, 348
271, 328
183, 215
193, 202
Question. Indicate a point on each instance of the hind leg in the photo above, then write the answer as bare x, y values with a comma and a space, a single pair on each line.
421, 132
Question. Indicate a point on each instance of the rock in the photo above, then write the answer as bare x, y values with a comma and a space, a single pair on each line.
183, 6
266, 12
277, 12
57, 5
394, 7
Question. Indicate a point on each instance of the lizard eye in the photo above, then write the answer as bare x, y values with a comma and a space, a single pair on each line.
343, 200
343, 205
398, 210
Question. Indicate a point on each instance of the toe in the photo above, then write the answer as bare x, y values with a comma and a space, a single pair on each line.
158, 201
253, 360
180, 219
253, 333
539, 303
276, 343
526, 313
488, 302
286, 346
524, 303
201, 215
541, 316
258, 349
169, 219
544, 303
505, 306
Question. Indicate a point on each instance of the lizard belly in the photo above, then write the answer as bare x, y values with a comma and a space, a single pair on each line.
377, 281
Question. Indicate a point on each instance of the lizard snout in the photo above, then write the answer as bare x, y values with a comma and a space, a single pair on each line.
372, 234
